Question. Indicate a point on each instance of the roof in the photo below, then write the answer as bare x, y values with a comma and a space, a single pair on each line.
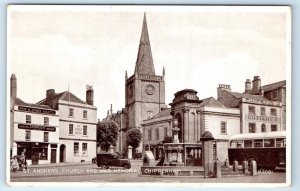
18, 101
271, 134
274, 86
163, 113
211, 102
250, 96
65, 96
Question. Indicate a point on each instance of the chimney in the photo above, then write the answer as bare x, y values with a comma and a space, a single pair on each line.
248, 86
49, 96
221, 88
256, 85
13, 86
89, 95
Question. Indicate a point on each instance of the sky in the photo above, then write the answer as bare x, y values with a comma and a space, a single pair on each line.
61, 47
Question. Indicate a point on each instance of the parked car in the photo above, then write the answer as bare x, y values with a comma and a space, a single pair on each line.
106, 160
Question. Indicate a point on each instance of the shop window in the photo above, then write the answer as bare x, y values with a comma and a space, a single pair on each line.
28, 118
71, 129
251, 127
46, 136
223, 128
71, 112
76, 148
263, 128
273, 112
149, 135
84, 149
27, 135
46, 120
24, 149
273, 127
85, 114
262, 111
43, 153
157, 134
251, 110
84, 130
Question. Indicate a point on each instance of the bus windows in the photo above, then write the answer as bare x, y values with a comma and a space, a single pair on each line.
258, 143
280, 142
269, 143
248, 143
236, 144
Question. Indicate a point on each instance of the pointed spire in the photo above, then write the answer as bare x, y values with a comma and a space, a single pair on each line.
144, 62
126, 76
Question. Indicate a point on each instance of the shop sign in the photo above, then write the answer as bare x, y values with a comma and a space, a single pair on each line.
36, 110
36, 127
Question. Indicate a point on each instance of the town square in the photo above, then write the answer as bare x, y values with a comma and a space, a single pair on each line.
219, 114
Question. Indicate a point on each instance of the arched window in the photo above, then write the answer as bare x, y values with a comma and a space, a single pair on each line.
263, 128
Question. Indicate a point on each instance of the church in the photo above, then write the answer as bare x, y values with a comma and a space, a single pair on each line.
144, 93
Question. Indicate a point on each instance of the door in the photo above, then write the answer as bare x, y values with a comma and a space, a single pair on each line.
35, 156
53, 156
62, 153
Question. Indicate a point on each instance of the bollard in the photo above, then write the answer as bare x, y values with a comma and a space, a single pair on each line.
235, 166
245, 166
217, 169
253, 168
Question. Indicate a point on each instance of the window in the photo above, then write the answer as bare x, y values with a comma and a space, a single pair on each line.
258, 143
85, 114
269, 143
71, 112
223, 128
263, 128
71, 129
280, 142
84, 130
84, 149
46, 136
46, 120
273, 112
251, 127
149, 135
43, 153
165, 132
274, 95
273, 127
251, 110
157, 134
28, 118
76, 148
248, 143
27, 135
262, 111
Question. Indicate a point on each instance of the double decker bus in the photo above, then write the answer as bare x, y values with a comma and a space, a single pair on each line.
267, 149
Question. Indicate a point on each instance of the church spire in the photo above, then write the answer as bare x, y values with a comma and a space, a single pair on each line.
144, 62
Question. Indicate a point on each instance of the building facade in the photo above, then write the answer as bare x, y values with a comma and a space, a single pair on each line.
77, 125
258, 114
34, 130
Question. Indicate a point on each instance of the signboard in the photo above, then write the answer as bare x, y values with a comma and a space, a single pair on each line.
36, 110
36, 127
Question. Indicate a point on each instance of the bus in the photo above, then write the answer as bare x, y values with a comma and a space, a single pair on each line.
267, 149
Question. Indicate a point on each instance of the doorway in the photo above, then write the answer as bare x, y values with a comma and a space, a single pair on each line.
53, 156
62, 153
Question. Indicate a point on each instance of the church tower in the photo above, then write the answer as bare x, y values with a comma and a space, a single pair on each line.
144, 91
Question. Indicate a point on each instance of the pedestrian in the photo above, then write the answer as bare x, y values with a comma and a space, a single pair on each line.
14, 165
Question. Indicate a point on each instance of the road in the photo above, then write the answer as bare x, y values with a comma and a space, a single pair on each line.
91, 173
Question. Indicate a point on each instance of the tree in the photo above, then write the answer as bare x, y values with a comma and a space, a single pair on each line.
134, 137
107, 134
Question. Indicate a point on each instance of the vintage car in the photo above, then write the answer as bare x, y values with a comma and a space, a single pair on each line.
106, 160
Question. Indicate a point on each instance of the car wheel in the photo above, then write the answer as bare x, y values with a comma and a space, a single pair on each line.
93, 161
126, 166
103, 166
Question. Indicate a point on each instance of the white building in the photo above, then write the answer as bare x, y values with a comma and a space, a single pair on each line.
77, 125
34, 130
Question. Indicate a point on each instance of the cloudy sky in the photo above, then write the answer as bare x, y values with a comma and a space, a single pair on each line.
200, 47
